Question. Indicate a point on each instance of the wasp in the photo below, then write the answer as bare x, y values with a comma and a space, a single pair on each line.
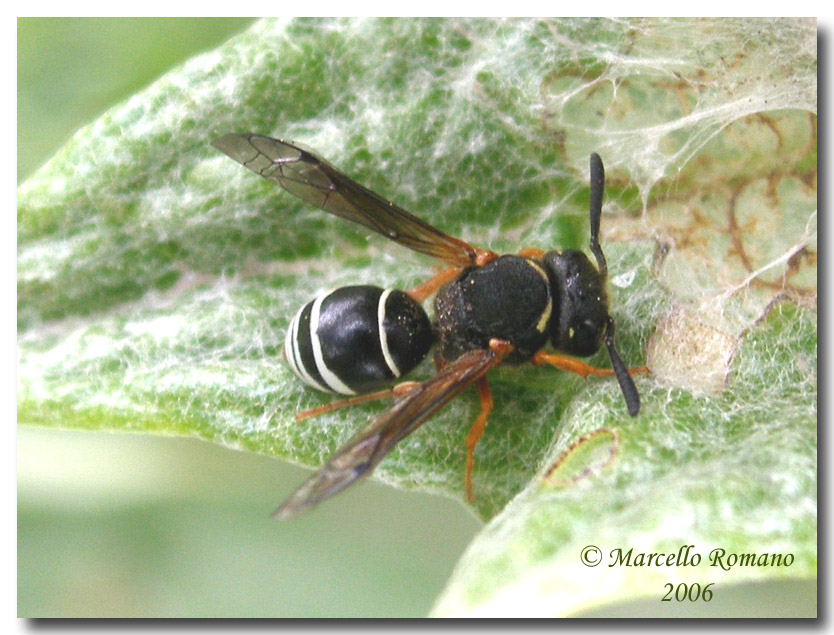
489, 309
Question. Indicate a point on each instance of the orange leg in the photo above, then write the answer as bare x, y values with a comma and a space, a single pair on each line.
424, 290
475, 433
397, 391
582, 369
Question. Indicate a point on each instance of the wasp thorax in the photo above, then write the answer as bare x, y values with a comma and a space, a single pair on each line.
578, 326
507, 299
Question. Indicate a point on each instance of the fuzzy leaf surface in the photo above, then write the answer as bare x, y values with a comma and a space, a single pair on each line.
156, 277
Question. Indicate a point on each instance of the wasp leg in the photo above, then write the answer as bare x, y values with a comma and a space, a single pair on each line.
359, 456
424, 290
397, 391
501, 348
475, 432
582, 369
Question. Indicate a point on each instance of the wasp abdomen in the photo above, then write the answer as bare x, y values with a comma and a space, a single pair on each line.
355, 339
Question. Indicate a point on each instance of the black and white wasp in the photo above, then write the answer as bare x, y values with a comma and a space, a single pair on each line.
489, 309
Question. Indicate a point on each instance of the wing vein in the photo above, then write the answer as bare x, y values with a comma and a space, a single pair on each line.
359, 456
307, 176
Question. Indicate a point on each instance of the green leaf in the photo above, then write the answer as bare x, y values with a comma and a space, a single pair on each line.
156, 277
729, 475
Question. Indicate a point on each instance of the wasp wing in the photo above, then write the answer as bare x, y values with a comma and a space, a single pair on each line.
359, 456
309, 177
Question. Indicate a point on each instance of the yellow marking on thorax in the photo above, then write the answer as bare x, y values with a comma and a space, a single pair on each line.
544, 320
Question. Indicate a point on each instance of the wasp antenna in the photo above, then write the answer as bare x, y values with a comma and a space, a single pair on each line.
597, 190
632, 397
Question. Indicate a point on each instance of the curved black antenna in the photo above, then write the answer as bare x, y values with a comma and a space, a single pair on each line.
632, 397
629, 390
597, 189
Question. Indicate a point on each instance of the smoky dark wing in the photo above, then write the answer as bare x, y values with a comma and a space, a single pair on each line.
309, 177
362, 454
